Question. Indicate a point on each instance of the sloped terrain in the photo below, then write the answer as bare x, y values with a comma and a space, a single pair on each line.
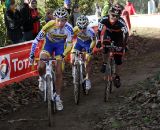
135, 105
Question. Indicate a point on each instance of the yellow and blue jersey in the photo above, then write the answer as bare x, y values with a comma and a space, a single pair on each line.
55, 35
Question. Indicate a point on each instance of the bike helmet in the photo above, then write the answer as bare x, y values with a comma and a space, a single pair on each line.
116, 10
82, 22
61, 13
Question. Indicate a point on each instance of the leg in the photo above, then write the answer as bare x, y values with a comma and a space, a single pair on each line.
105, 55
59, 77
88, 72
88, 66
41, 64
59, 49
118, 62
46, 53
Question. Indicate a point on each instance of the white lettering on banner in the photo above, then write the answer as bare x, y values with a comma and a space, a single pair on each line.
20, 64
25, 62
14, 61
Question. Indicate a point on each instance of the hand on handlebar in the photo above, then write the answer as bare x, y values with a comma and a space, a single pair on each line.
98, 44
31, 58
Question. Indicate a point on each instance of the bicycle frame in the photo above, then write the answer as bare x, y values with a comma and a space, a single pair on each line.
110, 69
50, 73
78, 59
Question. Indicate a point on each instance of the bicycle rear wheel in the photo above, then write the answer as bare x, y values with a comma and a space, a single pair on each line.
77, 84
49, 99
107, 90
108, 82
112, 63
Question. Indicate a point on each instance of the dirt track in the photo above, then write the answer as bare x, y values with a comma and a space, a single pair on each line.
142, 62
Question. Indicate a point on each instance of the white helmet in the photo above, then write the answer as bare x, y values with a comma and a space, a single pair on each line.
61, 13
82, 22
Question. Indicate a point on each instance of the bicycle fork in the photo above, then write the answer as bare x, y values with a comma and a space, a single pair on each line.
49, 73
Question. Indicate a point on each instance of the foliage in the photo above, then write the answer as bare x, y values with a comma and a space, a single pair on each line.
2, 27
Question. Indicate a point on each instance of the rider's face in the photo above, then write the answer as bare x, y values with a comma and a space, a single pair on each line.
60, 22
83, 30
113, 18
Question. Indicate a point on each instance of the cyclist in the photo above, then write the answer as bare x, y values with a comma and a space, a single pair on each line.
113, 28
86, 41
58, 33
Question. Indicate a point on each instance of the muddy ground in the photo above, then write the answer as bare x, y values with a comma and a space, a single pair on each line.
134, 106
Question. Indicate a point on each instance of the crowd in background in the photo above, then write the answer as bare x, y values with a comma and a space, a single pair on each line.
24, 24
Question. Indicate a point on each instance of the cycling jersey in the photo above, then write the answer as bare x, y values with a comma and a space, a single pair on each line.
116, 32
55, 35
87, 36
85, 40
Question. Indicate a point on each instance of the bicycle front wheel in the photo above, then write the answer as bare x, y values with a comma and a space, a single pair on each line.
77, 84
49, 99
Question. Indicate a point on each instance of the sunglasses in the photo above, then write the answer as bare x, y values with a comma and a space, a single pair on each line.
115, 16
81, 28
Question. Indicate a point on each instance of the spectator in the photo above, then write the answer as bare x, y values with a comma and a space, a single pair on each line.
49, 15
67, 5
151, 7
159, 7
126, 17
13, 22
156, 5
35, 17
76, 14
98, 11
107, 5
130, 8
27, 22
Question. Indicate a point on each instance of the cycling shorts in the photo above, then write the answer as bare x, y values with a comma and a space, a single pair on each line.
80, 45
117, 58
57, 48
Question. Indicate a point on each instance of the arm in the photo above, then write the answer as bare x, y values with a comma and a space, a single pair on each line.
40, 36
125, 35
68, 40
93, 38
9, 22
101, 31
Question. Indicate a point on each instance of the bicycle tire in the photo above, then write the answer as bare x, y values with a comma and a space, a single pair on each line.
108, 82
112, 64
77, 84
49, 99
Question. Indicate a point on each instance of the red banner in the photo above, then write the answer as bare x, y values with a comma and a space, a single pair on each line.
14, 63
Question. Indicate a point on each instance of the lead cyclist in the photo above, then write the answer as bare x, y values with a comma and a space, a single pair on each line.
58, 34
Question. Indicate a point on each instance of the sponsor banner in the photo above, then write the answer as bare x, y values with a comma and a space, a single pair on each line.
5, 68
14, 63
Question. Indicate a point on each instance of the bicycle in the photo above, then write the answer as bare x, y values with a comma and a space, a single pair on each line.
110, 69
49, 87
78, 75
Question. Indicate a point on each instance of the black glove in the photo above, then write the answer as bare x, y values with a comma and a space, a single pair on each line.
90, 51
62, 56
31, 58
98, 45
